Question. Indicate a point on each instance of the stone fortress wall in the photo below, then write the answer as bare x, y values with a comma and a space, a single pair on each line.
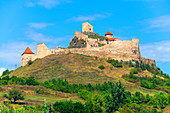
120, 50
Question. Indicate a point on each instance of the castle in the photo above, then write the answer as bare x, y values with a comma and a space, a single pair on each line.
93, 45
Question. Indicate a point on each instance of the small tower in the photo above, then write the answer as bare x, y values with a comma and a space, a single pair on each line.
87, 27
26, 56
109, 36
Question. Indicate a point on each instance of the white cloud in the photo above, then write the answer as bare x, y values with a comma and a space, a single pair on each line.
46, 3
40, 37
40, 25
161, 23
2, 70
89, 17
160, 51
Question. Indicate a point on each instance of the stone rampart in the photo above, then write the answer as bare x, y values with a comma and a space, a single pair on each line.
80, 35
119, 50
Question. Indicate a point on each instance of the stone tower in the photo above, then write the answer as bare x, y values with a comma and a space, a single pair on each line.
27, 56
87, 27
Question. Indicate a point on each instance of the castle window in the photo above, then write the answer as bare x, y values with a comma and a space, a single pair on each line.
90, 29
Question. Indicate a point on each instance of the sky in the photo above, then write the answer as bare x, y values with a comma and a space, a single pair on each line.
25, 23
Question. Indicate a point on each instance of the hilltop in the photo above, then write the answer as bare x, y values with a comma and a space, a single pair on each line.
83, 69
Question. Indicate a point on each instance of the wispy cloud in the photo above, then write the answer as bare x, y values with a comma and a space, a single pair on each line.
161, 23
40, 25
40, 37
89, 17
160, 51
46, 3
2, 70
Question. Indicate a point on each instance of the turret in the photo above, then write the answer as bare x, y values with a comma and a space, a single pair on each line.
27, 56
87, 27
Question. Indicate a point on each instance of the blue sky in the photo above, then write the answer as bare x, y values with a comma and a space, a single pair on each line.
29, 22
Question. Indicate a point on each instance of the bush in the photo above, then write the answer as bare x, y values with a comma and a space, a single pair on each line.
31, 81
39, 91
30, 62
15, 95
115, 63
133, 71
101, 67
68, 106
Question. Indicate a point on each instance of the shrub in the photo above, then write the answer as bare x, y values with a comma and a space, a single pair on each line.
101, 67
68, 106
133, 71
15, 95
39, 91
31, 81
30, 62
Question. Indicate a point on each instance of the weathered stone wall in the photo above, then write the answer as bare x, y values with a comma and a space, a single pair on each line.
87, 27
81, 35
120, 50
27, 57
148, 61
42, 50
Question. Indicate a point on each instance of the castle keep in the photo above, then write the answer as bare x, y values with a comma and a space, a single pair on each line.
90, 43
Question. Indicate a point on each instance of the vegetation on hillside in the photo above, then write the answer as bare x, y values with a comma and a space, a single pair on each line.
97, 37
75, 75
108, 97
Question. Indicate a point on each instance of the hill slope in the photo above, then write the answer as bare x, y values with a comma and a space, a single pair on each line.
78, 68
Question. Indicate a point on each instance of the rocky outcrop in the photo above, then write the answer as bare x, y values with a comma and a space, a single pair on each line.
77, 43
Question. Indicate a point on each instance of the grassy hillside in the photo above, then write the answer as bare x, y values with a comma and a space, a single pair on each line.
78, 68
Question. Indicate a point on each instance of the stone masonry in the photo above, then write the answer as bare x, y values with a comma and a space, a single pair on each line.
120, 50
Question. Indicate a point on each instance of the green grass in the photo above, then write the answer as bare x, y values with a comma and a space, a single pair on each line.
77, 69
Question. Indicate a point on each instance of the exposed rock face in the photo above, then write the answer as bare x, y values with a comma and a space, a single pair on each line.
77, 43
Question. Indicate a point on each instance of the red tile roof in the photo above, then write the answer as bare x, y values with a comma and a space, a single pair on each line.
113, 39
110, 39
108, 33
28, 51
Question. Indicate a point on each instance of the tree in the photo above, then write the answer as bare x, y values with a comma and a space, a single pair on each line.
133, 71
117, 98
161, 100
101, 67
14, 95
138, 98
6, 72
31, 81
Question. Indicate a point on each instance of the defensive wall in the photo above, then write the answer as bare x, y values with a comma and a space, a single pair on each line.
119, 50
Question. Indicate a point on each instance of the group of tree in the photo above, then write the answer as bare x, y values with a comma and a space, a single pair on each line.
115, 63
107, 97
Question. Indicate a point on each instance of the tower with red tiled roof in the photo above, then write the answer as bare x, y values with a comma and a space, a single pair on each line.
27, 56
109, 36
27, 51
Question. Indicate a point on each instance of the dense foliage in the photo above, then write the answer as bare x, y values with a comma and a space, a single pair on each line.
101, 67
97, 37
115, 63
14, 95
108, 97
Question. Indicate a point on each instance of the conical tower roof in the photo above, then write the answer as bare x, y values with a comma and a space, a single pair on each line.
108, 33
28, 51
